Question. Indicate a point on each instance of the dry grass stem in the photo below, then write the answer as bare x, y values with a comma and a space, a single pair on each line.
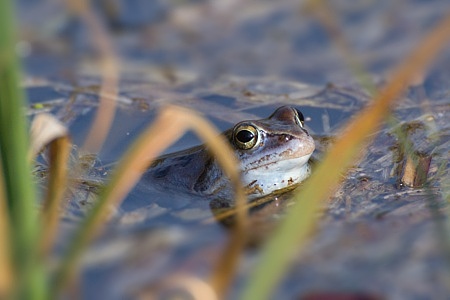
109, 70
325, 14
301, 219
59, 151
195, 287
222, 215
415, 169
170, 124
106, 111
44, 129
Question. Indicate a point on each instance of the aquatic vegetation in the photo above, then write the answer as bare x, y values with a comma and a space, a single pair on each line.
28, 267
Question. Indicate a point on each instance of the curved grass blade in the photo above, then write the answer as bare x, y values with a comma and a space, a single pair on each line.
170, 124
327, 16
19, 187
47, 130
300, 221
109, 69
44, 129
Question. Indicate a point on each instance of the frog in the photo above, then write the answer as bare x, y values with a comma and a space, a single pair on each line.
273, 154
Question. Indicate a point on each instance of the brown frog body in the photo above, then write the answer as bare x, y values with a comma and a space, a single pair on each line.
273, 154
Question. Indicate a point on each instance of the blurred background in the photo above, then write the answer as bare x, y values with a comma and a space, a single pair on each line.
234, 60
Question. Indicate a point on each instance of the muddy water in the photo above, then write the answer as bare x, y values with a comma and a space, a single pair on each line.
238, 61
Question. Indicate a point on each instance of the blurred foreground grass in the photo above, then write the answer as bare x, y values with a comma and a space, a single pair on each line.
23, 273
23, 269
299, 222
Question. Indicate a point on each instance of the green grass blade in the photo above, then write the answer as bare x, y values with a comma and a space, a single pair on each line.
19, 188
300, 221
6, 276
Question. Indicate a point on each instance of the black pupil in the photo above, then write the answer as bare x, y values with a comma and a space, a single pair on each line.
245, 136
300, 116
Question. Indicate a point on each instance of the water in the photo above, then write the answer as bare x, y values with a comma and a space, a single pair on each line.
236, 61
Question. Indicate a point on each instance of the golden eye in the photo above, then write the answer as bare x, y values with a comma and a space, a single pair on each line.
246, 136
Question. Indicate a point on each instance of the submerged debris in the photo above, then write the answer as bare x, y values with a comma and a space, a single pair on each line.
415, 170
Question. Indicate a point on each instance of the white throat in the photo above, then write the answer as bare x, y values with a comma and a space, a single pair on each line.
275, 176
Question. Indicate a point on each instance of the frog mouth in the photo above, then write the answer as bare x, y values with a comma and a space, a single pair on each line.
287, 163
286, 159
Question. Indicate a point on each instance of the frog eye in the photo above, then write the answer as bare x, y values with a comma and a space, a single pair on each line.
245, 136
299, 118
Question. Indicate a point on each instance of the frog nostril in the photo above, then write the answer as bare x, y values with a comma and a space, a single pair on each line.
285, 138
